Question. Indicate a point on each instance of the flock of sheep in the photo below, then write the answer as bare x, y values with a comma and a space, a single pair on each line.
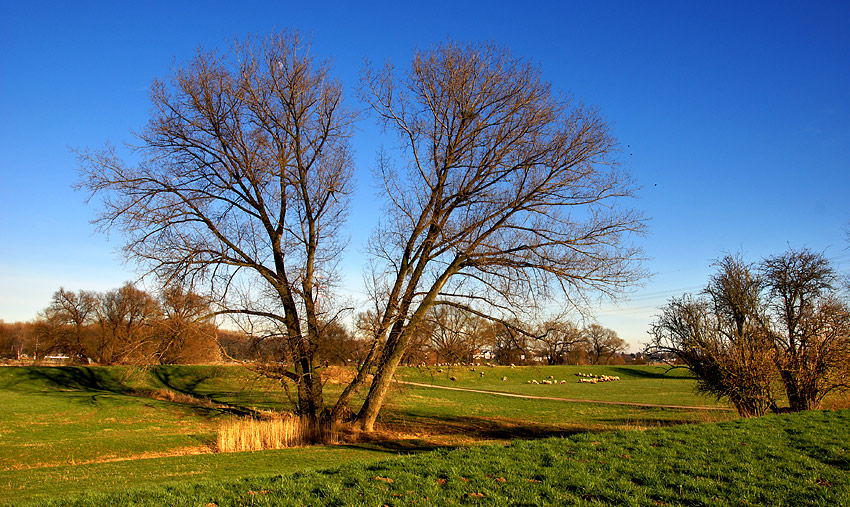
587, 378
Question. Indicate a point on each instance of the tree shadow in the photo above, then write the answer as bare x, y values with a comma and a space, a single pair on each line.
648, 422
396, 447
91, 384
78, 378
475, 428
671, 373
182, 381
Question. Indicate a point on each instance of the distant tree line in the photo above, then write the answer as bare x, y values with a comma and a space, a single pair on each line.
128, 325
757, 331
451, 335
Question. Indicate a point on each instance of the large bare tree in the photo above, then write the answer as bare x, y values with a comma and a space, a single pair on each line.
241, 186
502, 194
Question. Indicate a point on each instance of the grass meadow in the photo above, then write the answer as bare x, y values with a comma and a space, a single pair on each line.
101, 436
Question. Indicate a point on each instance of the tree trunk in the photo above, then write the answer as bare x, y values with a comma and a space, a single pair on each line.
394, 351
342, 404
309, 391
796, 401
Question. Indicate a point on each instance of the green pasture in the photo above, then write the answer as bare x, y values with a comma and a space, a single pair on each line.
66, 431
789, 460
638, 384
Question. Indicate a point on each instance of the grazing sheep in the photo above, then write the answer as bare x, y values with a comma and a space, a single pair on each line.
504, 379
481, 373
453, 379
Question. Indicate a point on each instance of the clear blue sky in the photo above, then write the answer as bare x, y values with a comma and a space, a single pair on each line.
736, 116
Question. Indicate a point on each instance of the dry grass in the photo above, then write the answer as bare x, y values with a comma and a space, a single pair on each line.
164, 394
271, 431
838, 401
338, 374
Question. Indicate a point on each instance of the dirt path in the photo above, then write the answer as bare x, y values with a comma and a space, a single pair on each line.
552, 398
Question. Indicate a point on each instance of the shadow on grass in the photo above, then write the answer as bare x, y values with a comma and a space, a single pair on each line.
814, 434
474, 428
671, 373
396, 447
95, 382
647, 422
77, 378
181, 380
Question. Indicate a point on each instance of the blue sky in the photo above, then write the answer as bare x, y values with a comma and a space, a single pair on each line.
734, 119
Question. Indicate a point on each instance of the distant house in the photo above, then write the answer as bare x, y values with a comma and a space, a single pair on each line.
483, 354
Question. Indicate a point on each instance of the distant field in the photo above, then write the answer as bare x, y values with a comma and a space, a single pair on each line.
74, 428
643, 384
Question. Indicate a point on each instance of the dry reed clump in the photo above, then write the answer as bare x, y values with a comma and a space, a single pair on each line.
271, 432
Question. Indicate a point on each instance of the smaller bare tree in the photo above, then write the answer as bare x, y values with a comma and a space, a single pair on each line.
187, 331
722, 337
66, 323
127, 319
558, 340
601, 343
811, 326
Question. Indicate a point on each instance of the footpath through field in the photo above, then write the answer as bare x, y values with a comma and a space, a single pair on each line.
553, 398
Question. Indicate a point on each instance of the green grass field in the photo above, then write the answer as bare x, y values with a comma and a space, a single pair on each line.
787, 460
69, 431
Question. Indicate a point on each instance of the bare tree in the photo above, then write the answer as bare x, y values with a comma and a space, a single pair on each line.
66, 323
724, 337
127, 318
558, 339
513, 343
454, 334
14, 339
187, 332
505, 195
601, 343
811, 326
241, 188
